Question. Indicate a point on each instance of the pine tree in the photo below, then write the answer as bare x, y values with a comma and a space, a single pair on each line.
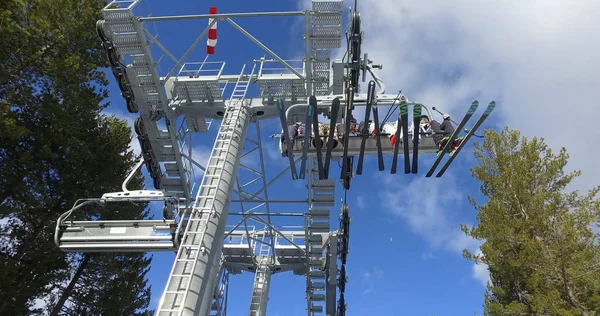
542, 255
56, 147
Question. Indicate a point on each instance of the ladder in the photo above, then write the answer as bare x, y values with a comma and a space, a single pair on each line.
260, 291
322, 193
265, 247
218, 304
129, 39
191, 247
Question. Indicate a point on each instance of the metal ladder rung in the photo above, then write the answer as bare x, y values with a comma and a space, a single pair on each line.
194, 233
174, 292
181, 276
201, 209
197, 219
210, 186
190, 247
206, 196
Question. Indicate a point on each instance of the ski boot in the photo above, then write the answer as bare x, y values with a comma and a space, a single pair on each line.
456, 144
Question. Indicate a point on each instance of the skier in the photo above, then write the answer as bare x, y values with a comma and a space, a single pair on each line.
294, 131
441, 132
390, 129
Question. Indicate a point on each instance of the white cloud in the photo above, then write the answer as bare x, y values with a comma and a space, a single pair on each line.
480, 272
426, 205
361, 201
130, 118
201, 154
537, 59
368, 278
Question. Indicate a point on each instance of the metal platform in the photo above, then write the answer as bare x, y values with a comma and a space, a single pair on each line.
240, 251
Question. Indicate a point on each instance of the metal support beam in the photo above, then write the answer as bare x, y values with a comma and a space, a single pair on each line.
219, 16
308, 61
189, 51
214, 195
265, 48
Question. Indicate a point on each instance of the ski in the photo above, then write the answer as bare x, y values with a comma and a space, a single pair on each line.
364, 132
312, 103
377, 131
349, 103
448, 145
403, 109
404, 114
335, 109
286, 137
453, 154
306, 145
417, 109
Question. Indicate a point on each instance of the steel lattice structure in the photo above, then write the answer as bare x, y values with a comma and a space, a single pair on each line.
187, 101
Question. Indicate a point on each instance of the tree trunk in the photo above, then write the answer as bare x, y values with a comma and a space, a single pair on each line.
67, 292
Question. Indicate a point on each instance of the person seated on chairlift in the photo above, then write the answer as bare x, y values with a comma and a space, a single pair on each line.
441, 132
294, 131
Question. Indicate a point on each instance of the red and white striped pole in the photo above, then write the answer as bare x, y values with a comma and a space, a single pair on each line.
212, 33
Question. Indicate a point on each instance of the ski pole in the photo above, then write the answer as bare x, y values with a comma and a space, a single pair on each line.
451, 120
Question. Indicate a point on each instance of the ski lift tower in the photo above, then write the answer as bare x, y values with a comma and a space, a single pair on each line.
186, 101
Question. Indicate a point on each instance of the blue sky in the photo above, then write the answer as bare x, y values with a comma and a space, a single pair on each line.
405, 240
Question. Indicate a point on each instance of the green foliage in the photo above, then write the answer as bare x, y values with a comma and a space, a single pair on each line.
543, 257
117, 275
57, 147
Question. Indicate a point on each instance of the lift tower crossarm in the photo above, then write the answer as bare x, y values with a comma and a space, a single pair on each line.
220, 16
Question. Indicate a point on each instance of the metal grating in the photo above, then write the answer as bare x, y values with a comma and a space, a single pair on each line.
321, 76
322, 54
327, 43
282, 88
139, 60
327, 31
145, 79
197, 90
116, 27
117, 14
126, 39
142, 70
196, 124
327, 5
129, 50
321, 65
327, 19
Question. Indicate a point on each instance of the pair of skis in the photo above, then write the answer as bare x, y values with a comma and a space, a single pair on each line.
365, 133
311, 120
403, 125
454, 136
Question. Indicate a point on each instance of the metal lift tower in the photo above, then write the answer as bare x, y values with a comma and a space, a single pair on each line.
188, 99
